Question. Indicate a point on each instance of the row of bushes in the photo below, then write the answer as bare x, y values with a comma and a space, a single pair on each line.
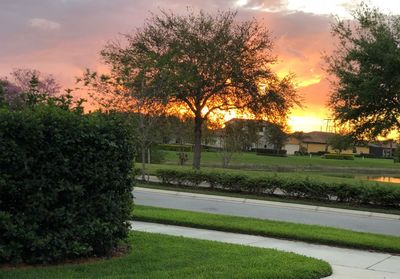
65, 184
175, 147
270, 152
338, 156
378, 195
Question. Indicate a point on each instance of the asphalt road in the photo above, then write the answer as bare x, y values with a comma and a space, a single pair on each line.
295, 215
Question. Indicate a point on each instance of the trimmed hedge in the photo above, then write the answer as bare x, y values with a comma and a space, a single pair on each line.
175, 147
65, 184
339, 156
270, 152
377, 195
366, 155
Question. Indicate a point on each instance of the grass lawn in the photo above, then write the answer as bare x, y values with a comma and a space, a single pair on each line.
250, 158
285, 230
218, 192
159, 256
151, 168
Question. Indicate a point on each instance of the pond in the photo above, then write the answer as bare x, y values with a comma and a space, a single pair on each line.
390, 179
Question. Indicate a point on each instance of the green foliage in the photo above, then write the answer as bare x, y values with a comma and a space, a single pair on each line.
270, 152
367, 73
339, 156
340, 142
65, 184
298, 187
201, 60
275, 135
175, 147
396, 155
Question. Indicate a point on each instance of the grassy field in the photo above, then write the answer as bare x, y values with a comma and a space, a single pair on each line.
296, 162
285, 230
158, 256
316, 176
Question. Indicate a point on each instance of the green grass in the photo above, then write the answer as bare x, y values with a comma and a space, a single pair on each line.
250, 158
152, 168
285, 230
219, 192
158, 256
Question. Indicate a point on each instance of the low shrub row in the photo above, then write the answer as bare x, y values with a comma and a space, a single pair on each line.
175, 147
306, 188
338, 156
365, 155
270, 152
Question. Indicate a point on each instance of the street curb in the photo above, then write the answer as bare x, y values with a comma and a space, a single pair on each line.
365, 214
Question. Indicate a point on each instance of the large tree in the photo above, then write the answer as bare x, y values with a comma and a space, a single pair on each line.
366, 72
204, 64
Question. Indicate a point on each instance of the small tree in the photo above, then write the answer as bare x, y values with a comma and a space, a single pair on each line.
116, 94
276, 136
340, 142
204, 64
230, 143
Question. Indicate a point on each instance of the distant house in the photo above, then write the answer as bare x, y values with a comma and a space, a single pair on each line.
292, 146
317, 142
383, 149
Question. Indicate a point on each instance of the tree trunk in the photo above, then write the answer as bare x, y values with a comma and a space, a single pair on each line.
198, 121
143, 163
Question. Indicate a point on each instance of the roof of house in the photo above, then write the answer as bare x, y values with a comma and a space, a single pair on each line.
244, 120
317, 137
389, 144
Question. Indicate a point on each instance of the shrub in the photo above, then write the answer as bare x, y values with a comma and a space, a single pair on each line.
232, 182
65, 184
175, 147
271, 152
167, 176
297, 187
261, 185
339, 156
365, 155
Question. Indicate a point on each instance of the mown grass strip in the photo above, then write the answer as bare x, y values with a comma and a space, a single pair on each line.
285, 230
155, 256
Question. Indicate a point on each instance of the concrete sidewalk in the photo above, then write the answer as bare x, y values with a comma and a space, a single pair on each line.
346, 263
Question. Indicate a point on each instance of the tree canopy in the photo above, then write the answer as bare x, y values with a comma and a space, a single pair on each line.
366, 73
202, 63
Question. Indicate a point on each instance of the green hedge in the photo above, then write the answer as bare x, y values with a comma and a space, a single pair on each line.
339, 156
271, 152
65, 184
378, 195
175, 147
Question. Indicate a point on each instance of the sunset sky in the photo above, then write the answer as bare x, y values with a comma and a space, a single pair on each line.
63, 37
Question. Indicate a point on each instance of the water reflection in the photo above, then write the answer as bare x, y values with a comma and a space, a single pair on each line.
389, 179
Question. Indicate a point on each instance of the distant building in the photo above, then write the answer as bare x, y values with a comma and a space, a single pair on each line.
317, 142
383, 149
